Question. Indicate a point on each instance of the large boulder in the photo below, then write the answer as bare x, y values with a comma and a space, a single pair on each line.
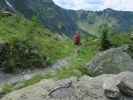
114, 60
103, 87
126, 84
110, 88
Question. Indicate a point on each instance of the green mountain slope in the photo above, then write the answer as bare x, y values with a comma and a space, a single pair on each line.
52, 16
68, 21
121, 21
27, 44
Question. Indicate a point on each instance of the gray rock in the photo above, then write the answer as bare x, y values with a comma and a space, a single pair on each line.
126, 85
27, 77
61, 63
19, 85
110, 88
103, 87
114, 60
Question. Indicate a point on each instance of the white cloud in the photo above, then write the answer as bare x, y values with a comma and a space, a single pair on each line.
125, 5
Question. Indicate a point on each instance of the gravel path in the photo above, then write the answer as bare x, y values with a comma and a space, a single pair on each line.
61, 63
13, 78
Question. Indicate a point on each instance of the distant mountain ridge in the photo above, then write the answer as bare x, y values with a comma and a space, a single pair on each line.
69, 21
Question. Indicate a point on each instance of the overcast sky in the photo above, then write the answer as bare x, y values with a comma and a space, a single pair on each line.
125, 5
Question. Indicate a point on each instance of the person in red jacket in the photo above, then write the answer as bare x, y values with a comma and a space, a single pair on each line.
76, 39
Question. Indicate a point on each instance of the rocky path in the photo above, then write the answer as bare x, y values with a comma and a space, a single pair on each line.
61, 63
13, 78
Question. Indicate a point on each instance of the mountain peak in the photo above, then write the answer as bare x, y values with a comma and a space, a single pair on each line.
108, 10
45, 1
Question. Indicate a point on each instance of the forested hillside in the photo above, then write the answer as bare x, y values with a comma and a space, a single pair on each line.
68, 22
38, 45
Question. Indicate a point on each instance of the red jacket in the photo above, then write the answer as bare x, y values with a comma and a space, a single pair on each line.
76, 39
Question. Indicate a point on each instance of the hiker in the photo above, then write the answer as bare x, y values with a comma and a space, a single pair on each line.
76, 40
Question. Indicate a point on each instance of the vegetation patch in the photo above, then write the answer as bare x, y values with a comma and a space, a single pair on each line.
27, 44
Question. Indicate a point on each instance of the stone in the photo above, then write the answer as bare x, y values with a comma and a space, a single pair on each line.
112, 61
103, 87
110, 88
126, 85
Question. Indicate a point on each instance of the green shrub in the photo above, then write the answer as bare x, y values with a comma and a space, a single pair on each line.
105, 31
6, 88
29, 44
121, 39
105, 42
19, 55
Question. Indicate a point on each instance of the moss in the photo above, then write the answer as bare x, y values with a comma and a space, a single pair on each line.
7, 88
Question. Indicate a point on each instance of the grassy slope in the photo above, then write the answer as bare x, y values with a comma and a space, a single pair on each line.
49, 43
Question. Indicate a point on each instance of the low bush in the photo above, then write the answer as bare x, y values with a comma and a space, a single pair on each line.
19, 55
7, 88
28, 44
